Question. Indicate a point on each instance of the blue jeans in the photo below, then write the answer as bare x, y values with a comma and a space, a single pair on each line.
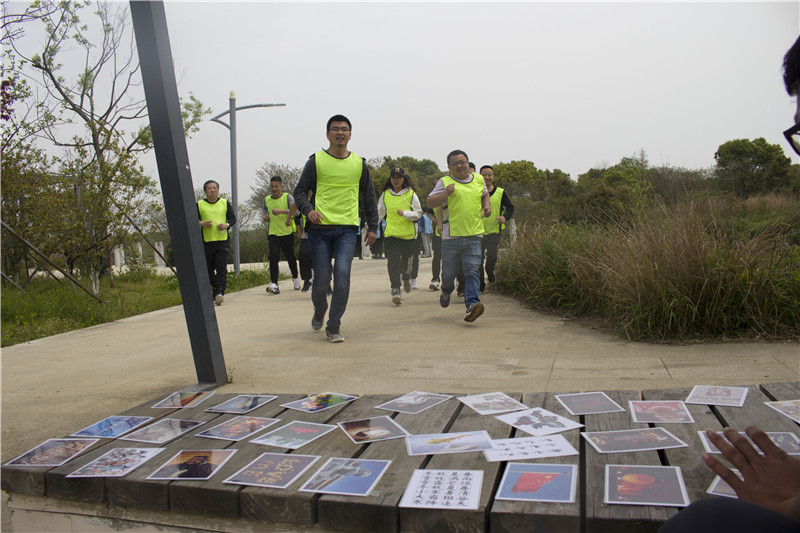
466, 252
338, 243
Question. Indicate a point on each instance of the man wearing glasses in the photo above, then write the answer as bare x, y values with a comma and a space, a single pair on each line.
328, 193
791, 77
465, 201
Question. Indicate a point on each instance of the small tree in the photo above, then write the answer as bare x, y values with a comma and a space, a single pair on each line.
746, 167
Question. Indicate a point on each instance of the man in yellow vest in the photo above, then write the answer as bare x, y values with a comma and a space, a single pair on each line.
216, 218
465, 200
328, 194
502, 211
278, 213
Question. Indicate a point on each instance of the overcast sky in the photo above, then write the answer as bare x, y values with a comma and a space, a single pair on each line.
565, 85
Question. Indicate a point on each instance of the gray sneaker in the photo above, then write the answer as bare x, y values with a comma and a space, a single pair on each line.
435, 285
444, 299
316, 320
218, 299
396, 300
333, 334
407, 285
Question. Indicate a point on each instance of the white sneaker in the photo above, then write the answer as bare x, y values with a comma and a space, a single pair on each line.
272, 288
414, 284
435, 285
296, 282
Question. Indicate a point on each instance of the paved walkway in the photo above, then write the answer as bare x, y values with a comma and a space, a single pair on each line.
55, 386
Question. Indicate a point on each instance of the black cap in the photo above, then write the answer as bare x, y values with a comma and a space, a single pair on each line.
399, 171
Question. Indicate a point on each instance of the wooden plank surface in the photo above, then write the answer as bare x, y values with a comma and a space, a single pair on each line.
696, 474
788, 390
513, 516
425, 520
213, 497
378, 511
600, 516
291, 505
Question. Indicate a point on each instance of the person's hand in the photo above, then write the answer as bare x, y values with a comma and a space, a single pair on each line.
222, 226
314, 216
400, 212
265, 216
501, 219
450, 189
371, 236
206, 223
486, 212
288, 221
771, 480
277, 211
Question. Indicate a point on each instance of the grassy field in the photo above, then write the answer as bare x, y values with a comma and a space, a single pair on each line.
49, 307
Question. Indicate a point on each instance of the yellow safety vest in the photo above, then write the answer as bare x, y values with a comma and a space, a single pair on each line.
215, 212
490, 224
396, 225
277, 223
337, 188
464, 207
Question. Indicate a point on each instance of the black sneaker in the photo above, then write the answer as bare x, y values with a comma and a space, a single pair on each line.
444, 299
407, 285
333, 334
475, 310
306, 286
316, 320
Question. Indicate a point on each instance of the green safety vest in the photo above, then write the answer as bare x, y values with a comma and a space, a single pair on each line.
490, 224
396, 225
215, 212
337, 188
277, 223
464, 207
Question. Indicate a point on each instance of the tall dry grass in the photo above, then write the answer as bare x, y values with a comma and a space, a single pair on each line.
674, 274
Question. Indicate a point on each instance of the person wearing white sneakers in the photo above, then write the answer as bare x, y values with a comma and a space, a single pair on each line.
278, 212
399, 204
216, 218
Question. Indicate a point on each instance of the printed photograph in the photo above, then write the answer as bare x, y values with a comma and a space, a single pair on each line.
352, 477
645, 485
273, 470
238, 428
538, 483
588, 403
52, 452
719, 487
319, 402
117, 462
715, 395
294, 435
193, 464
790, 408
468, 441
372, 429
664, 412
162, 431
414, 402
244, 403
443, 489
529, 448
632, 440
182, 400
112, 427
788, 442
538, 422
492, 403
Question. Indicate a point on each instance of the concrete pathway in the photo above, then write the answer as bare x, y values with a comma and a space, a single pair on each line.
55, 386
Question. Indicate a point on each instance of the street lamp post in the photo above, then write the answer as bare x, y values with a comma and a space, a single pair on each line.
234, 185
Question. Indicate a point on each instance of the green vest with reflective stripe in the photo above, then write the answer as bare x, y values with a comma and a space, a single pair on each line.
464, 207
396, 225
215, 212
277, 223
336, 196
490, 224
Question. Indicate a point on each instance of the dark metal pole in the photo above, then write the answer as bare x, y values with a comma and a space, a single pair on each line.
163, 108
234, 181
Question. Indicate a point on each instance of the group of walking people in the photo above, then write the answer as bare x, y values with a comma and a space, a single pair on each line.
335, 198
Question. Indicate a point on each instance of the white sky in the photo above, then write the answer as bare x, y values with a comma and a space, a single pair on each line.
565, 85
